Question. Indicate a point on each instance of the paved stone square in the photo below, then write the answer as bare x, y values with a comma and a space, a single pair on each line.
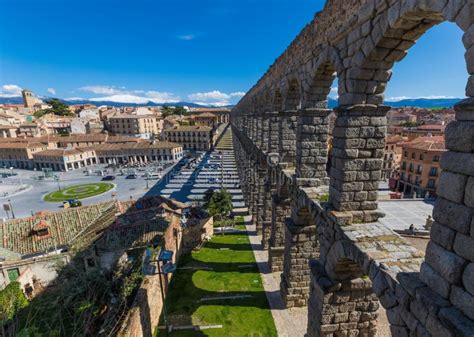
400, 214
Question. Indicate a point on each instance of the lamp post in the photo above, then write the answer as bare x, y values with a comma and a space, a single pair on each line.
167, 267
11, 208
56, 177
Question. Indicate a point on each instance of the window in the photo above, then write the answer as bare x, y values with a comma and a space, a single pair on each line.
419, 169
431, 183
417, 180
411, 167
404, 165
413, 155
421, 156
433, 172
13, 274
405, 154
436, 158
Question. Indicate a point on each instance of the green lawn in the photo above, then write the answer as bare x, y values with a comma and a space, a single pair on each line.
234, 272
78, 192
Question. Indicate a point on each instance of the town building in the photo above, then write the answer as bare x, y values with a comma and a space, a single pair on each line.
28, 98
223, 114
8, 131
20, 154
143, 152
423, 130
143, 126
392, 156
191, 137
29, 129
206, 119
420, 169
64, 159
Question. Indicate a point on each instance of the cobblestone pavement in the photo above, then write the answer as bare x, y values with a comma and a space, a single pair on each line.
289, 322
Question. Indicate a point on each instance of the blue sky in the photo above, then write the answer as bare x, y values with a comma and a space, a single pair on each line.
207, 51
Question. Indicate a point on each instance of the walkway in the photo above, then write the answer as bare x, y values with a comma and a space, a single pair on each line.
289, 322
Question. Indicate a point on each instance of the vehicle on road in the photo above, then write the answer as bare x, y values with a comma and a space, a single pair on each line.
131, 176
72, 203
108, 178
151, 176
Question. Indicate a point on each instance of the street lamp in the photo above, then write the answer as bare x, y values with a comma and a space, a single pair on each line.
11, 208
167, 267
56, 177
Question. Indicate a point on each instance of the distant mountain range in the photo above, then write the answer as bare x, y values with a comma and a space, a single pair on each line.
414, 102
19, 100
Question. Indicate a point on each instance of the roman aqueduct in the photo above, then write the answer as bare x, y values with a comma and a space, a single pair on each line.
322, 231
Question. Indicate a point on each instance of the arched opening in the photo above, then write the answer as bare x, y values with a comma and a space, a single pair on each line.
293, 95
277, 101
321, 85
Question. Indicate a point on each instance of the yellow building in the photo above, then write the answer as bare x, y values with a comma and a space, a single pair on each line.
191, 137
143, 152
20, 154
143, 126
420, 169
64, 159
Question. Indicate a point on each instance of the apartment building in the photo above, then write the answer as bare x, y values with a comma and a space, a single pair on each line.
143, 152
64, 159
206, 119
20, 154
420, 169
143, 126
392, 156
191, 137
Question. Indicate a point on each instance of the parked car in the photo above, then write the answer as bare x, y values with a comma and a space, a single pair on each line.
72, 203
131, 176
108, 178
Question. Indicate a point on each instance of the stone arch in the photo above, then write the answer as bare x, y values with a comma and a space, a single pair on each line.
348, 288
317, 84
292, 99
394, 32
277, 103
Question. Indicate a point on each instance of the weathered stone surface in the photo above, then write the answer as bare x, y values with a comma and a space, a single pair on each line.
464, 246
451, 186
442, 235
468, 278
434, 280
458, 162
463, 301
456, 216
449, 265
460, 324
469, 192
460, 135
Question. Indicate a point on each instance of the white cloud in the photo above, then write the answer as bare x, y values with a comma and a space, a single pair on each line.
10, 90
187, 37
101, 89
216, 104
122, 95
214, 98
214, 95
51, 91
74, 99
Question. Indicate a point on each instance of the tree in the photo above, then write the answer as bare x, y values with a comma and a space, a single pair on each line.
218, 203
57, 108
12, 300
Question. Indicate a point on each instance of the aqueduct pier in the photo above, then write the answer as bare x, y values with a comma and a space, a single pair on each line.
322, 230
